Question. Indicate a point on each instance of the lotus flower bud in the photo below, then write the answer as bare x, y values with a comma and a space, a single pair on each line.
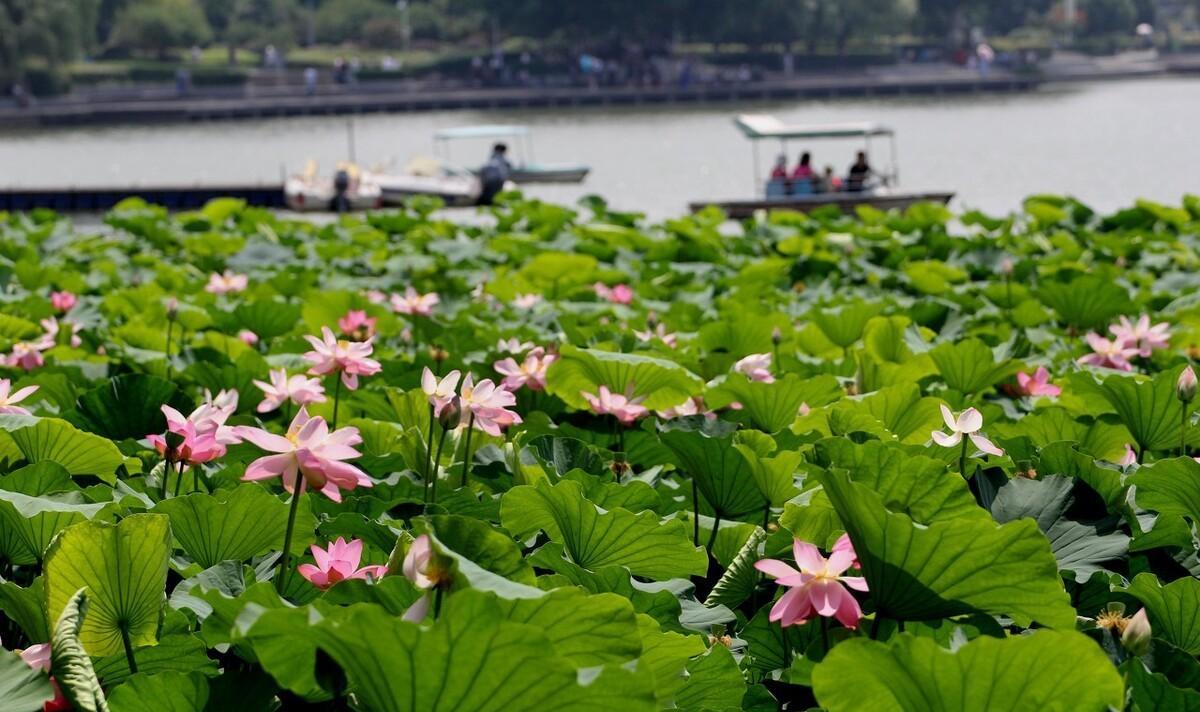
449, 416
1136, 638
172, 308
1006, 267
1185, 387
776, 336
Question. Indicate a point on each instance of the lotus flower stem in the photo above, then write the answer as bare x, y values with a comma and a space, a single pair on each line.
875, 626
429, 452
962, 459
1183, 432
712, 538
287, 534
466, 465
179, 479
167, 352
337, 396
133, 668
824, 633
695, 513
437, 459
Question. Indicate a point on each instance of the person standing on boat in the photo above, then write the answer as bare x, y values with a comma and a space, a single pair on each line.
494, 174
859, 173
830, 183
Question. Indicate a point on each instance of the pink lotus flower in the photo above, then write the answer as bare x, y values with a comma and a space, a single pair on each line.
38, 658
1129, 458
620, 294
1037, 385
818, 587
1113, 354
968, 423
531, 372
297, 389
330, 355
195, 447
756, 367
843, 543
248, 337
624, 407
416, 570
527, 301
1141, 335
513, 345
53, 326
660, 331
308, 449
338, 562
413, 303
27, 354
375, 296
226, 283
487, 405
357, 325
691, 406
62, 301
439, 392
9, 399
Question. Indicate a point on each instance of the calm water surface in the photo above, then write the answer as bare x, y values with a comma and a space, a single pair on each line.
1104, 143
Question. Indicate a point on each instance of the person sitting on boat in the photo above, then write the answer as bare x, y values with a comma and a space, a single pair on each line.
494, 174
778, 184
859, 173
830, 183
803, 177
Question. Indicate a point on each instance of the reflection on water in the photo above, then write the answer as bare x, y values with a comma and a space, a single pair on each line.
1104, 143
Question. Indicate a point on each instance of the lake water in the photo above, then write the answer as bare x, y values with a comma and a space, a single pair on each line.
1105, 143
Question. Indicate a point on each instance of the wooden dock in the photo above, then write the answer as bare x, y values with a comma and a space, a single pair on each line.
361, 99
93, 200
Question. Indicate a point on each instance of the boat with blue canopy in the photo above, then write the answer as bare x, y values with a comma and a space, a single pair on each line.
876, 188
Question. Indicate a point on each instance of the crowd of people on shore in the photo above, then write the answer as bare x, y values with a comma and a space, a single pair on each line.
803, 179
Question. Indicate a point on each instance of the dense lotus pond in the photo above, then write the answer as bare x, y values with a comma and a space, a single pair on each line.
562, 458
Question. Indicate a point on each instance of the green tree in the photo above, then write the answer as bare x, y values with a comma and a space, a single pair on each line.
156, 26
1110, 16
43, 34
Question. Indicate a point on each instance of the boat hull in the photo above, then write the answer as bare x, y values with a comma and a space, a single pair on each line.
846, 202
525, 175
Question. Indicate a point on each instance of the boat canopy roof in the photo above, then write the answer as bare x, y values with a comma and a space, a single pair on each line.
757, 126
488, 131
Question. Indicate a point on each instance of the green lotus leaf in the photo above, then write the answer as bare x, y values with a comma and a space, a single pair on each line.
1149, 409
50, 439
663, 384
161, 692
1048, 670
26, 608
771, 407
1170, 487
970, 366
1088, 302
844, 324
235, 524
1173, 609
69, 661
720, 472
1079, 547
124, 569
268, 318
471, 658
594, 538
950, 567
128, 406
